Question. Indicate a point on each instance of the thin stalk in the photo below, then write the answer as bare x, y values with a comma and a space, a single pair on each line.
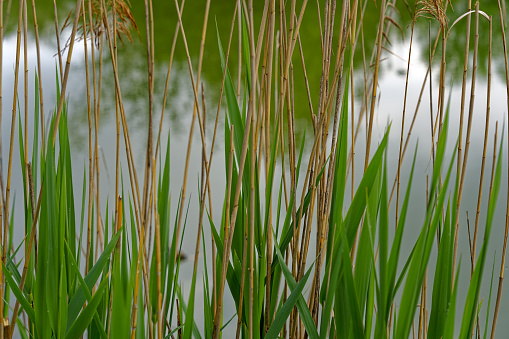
252, 167
67, 68
158, 256
134, 313
464, 86
242, 282
172, 51
39, 71
483, 161
2, 187
150, 68
97, 99
375, 81
400, 157
57, 34
130, 163
9, 168
467, 141
239, 66
90, 153
28, 250
195, 108
131, 167
502, 264
228, 235
25, 66
117, 118
270, 43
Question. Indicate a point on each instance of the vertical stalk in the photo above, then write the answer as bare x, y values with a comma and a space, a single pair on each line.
268, 87
39, 71
464, 85
158, 249
90, 153
57, 34
400, 157
375, 81
2, 188
9, 168
195, 109
67, 68
25, 83
28, 249
248, 131
502, 264
227, 234
467, 141
483, 161
149, 27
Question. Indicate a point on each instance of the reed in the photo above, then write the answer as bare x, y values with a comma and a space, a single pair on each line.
302, 249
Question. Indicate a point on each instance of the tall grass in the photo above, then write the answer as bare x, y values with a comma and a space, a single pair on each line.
302, 254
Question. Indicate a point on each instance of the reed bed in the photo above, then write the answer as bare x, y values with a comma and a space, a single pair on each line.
314, 251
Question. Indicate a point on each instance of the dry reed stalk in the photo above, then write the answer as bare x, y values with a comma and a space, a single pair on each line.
242, 282
67, 68
483, 161
117, 118
207, 164
261, 35
131, 167
149, 28
227, 240
287, 52
130, 163
57, 34
270, 43
261, 130
196, 110
39, 78
281, 141
179, 322
463, 86
306, 82
90, 152
134, 313
502, 264
467, 141
172, 51
323, 202
8, 188
212, 240
344, 36
491, 188
375, 80
400, 157
428, 73
430, 62
95, 170
247, 132
368, 85
28, 250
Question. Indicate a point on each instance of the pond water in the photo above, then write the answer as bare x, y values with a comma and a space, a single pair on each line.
133, 79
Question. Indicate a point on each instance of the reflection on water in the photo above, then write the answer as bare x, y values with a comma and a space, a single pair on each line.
133, 78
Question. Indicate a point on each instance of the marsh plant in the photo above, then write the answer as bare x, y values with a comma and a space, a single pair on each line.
307, 244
